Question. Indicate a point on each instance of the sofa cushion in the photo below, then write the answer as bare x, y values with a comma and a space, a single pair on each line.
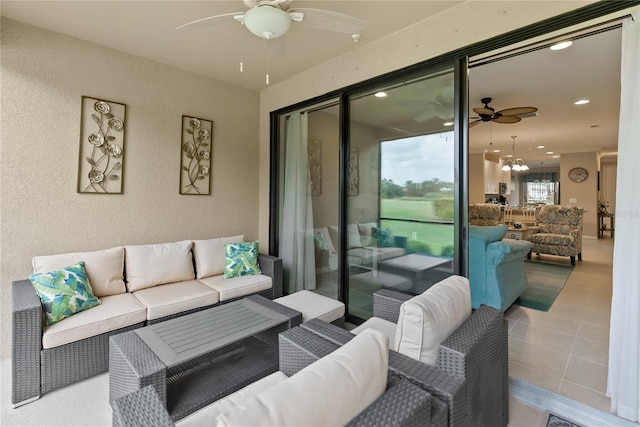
209, 255
64, 292
172, 298
208, 414
366, 233
151, 265
329, 392
114, 312
353, 236
427, 319
326, 237
105, 268
241, 259
238, 286
490, 233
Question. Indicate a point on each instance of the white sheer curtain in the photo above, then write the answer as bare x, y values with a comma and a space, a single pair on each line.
296, 228
623, 384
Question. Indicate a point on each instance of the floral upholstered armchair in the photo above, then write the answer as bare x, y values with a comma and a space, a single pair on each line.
559, 232
486, 214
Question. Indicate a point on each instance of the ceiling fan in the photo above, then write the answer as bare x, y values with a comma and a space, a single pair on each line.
506, 116
270, 19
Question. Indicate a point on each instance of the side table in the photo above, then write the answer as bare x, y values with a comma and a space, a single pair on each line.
517, 233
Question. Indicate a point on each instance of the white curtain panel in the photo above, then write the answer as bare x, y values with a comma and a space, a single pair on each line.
296, 228
623, 384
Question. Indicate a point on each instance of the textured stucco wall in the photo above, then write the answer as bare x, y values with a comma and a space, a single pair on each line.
44, 75
470, 22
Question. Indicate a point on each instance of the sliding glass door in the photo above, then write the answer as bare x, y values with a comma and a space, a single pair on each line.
400, 188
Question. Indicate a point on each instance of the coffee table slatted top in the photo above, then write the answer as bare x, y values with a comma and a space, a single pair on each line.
184, 338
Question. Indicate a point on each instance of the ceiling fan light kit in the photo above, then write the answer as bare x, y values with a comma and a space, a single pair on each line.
267, 22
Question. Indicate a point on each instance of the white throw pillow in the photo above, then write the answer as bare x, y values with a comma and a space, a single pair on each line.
209, 255
105, 269
151, 265
353, 236
429, 318
329, 392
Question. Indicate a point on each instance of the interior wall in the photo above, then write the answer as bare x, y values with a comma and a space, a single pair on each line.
476, 178
44, 74
457, 27
583, 194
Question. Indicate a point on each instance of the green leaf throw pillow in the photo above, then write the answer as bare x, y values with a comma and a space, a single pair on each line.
385, 237
321, 244
241, 259
64, 292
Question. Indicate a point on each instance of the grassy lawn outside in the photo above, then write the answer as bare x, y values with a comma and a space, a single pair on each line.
436, 237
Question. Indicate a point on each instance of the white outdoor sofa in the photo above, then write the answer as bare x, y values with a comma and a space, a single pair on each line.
137, 285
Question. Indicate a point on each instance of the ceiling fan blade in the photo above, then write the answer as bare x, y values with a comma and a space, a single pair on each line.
329, 20
476, 123
210, 21
506, 119
485, 111
516, 111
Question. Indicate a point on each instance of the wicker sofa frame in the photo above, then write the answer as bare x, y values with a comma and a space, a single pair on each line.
36, 370
403, 402
476, 353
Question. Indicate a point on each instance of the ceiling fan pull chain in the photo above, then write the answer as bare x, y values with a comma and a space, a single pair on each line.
266, 49
242, 49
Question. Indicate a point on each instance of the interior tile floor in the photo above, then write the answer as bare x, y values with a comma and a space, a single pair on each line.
566, 349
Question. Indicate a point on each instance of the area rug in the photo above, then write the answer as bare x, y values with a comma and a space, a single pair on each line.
556, 421
545, 283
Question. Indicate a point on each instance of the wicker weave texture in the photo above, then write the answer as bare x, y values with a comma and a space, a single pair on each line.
141, 409
386, 304
26, 342
298, 348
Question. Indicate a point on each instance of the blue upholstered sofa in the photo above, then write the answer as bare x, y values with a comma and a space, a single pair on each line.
496, 266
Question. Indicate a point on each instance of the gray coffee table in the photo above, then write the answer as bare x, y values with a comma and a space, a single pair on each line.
198, 358
422, 270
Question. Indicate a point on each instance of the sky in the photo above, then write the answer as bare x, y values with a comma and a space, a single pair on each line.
418, 159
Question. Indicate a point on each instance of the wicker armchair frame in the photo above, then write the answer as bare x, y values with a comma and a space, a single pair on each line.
403, 403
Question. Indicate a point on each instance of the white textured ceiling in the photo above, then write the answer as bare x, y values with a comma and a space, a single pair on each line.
550, 81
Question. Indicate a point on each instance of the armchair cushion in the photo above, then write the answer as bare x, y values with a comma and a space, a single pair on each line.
427, 319
358, 370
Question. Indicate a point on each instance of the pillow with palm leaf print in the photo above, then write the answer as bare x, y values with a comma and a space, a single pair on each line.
64, 292
241, 259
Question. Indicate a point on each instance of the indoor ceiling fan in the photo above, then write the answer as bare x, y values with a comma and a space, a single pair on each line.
270, 19
506, 116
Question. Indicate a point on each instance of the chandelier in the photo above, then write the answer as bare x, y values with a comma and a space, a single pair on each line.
517, 165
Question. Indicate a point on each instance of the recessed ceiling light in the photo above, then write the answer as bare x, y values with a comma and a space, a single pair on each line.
556, 156
549, 152
380, 94
509, 155
448, 124
581, 102
496, 151
561, 45
540, 146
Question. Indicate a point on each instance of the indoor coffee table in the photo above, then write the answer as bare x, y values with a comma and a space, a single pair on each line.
196, 359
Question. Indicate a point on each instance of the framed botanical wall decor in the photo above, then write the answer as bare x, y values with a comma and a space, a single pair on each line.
354, 173
315, 166
102, 125
195, 158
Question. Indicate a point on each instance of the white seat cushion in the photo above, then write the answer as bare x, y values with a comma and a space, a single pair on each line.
388, 253
114, 312
429, 318
172, 298
313, 305
209, 255
207, 415
151, 265
237, 287
380, 325
105, 269
329, 392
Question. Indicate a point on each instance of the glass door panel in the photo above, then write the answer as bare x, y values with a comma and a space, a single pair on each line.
309, 199
401, 187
